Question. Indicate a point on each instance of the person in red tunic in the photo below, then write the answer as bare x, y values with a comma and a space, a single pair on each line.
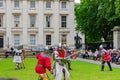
43, 63
105, 58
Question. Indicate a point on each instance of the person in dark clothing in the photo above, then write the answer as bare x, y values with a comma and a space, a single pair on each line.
12, 51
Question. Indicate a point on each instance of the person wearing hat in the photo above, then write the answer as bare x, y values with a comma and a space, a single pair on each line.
43, 63
60, 64
105, 56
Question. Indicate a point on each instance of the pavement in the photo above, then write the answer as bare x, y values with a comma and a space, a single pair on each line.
97, 62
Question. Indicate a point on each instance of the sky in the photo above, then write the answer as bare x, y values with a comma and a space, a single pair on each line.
77, 1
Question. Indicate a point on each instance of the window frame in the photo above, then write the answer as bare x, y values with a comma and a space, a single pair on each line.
31, 4
64, 21
63, 6
32, 39
17, 39
18, 6
48, 21
48, 39
1, 4
16, 20
64, 36
32, 22
48, 4
1, 20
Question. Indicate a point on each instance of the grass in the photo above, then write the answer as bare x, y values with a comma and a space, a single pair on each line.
80, 71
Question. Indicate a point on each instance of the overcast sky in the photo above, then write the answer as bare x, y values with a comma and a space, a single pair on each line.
77, 1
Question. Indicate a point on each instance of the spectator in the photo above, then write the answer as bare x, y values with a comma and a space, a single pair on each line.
118, 57
95, 55
12, 51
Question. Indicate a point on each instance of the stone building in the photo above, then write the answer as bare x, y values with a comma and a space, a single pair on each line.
36, 22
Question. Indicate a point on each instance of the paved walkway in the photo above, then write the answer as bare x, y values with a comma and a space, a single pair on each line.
97, 62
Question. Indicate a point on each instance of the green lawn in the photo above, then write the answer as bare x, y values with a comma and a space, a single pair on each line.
81, 71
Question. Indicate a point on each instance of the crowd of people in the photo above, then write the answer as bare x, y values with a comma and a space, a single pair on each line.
96, 55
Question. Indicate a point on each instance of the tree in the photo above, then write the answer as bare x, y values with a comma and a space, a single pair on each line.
96, 18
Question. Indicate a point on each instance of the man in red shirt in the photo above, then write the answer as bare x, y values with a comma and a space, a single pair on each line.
43, 63
105, 58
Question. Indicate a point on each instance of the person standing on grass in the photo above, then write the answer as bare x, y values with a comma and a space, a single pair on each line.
60, 64
22, 64
105, 56
17, 58
43, 63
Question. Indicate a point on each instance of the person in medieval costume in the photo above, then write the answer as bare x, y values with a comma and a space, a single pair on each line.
22, 64
60, 64
17, 58
105, 56
43, 63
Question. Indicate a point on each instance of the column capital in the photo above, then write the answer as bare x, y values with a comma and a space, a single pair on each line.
116, 28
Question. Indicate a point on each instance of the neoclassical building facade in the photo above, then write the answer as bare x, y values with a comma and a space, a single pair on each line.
36, 22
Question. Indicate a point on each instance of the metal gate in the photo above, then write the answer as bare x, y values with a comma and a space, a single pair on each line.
1, 42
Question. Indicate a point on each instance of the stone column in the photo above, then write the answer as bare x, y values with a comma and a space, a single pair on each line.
25, 23
71, 24
41, 23
56, 23
8, 23
116, 37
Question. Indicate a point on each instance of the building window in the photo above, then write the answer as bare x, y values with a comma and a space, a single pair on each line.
32, 39
63, 21
16, 40
1, 3
64, 39
63, 4
48, 4
1, 20
32, 4
32, 21
47, 21
48, 39
16, 20
16, 4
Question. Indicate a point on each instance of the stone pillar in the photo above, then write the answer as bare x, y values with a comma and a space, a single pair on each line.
25, 23
71, 24
8, 23
56, 25
116, 37
41, 23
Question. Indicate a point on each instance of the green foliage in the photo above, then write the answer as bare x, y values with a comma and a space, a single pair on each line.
80, 71
96, 18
